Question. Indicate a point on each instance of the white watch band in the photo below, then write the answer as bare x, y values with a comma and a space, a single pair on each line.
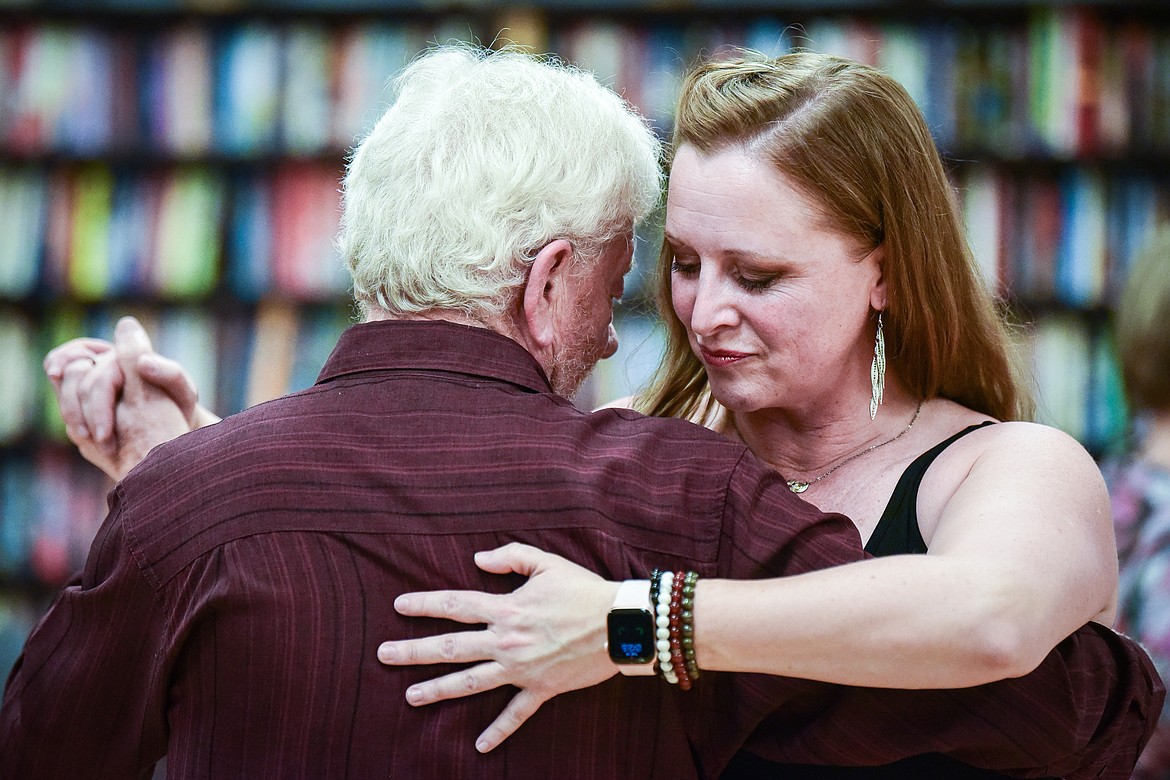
635, 594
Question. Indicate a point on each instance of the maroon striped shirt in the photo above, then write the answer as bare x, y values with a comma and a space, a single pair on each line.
230, 609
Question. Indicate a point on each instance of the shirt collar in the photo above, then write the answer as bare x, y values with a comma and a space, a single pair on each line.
433, 345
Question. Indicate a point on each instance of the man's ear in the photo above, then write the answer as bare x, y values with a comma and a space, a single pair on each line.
544, 291
879, 295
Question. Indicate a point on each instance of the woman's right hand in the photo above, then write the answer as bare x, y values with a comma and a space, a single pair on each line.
546, 637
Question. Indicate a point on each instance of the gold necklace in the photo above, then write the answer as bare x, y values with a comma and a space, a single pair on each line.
796, 486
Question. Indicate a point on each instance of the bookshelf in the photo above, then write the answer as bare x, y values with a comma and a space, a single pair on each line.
180, 161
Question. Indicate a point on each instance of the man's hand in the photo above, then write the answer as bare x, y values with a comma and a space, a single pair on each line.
121, 400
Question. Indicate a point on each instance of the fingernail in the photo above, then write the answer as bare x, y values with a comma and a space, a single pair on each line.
402, 602
482, 746
414, 696
385, 653
81, 432
100, 433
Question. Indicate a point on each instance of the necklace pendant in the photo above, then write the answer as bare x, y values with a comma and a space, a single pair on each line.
796, 486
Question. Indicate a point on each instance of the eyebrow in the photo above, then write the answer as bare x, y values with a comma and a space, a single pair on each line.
738, 254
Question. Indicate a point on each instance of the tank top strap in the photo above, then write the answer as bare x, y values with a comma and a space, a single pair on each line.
897, 531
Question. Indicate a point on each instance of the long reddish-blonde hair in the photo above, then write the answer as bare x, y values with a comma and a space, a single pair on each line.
852, 138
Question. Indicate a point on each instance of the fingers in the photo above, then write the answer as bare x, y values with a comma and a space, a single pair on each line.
522, 707
86, 394
68, 402
462, 647
169, 376
130, 342
467, 682
97, 394
75, 349
464, 606
515, 557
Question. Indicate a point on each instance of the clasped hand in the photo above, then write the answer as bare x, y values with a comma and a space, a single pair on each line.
546, 637
120, 400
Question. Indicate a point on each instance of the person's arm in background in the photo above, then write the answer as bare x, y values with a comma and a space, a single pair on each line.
1151, 627
88, 376
1141, 503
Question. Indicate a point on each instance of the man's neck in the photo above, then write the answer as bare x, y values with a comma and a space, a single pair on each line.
503, 324
457, 317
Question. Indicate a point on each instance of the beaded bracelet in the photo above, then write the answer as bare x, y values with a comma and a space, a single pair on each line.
662, 624
672, 594
687, 604
677, 662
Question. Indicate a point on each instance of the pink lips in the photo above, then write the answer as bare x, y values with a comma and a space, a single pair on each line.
719, 358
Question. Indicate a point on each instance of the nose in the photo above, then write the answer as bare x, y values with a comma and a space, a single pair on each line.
713, 308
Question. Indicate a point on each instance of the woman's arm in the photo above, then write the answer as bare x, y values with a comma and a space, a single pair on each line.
1085, 712
1021, 556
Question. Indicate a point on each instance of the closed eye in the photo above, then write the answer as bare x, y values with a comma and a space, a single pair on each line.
753, 284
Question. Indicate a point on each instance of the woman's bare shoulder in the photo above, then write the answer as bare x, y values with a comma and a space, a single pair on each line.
716, 419
625, 402
1020, 438
1013, 457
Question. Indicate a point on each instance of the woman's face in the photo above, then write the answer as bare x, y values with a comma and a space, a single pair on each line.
775, 303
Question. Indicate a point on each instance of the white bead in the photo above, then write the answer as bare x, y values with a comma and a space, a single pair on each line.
663, 633
664, 657
663, 609
662, 622
663, 645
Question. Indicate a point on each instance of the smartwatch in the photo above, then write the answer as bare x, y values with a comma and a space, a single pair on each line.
631, 635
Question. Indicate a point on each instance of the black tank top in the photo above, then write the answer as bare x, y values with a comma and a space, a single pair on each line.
897, 530
896, 533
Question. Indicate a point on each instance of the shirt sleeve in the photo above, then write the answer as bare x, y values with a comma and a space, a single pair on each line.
87, 697
1086, 712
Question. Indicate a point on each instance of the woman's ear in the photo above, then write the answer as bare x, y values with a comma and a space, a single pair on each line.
878, 296
544, 291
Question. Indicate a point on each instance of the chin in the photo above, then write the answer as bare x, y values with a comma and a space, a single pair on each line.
732, 401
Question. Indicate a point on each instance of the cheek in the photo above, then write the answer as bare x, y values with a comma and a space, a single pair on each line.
682, 298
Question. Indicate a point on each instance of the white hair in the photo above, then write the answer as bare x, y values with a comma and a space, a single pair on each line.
483, 158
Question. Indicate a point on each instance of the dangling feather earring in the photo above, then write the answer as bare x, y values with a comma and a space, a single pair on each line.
877, 371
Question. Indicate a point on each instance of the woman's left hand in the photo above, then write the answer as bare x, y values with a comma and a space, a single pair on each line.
546, 637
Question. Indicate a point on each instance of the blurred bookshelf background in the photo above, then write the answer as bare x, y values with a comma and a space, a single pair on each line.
180, 161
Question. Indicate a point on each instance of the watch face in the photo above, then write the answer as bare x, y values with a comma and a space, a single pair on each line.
632, 638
